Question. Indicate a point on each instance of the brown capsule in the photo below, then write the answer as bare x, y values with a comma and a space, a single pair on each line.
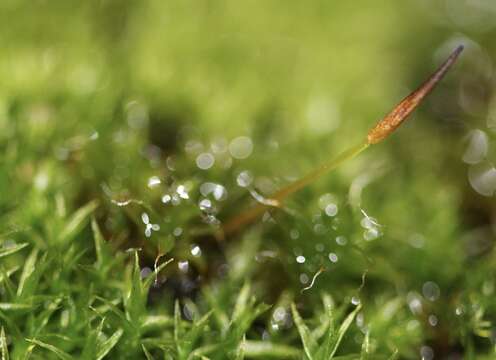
394, 119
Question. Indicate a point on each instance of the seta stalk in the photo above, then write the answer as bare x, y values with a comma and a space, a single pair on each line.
378, 133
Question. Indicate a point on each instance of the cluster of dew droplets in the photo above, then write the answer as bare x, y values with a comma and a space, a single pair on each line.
178, 194
420, 306
325, 222
476, 154
220, 152
328, 205
280, 319
211, 193
301, 260
153, 182
372, 229
195, 250
481, 171
174, 195
149, 227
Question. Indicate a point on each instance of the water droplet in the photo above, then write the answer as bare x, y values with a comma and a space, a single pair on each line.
482, 178
426, 353
367, 223
355, 300
300, 259
333, 257
281, 317
433, 320
244, 179
459, 310
145, 218
205, 205
196, 250
166, 198
218, 191
326, 199
148, 230
371, 234
183, 266
279, 314
241, 147
477, 147
153, 181
414, 303
181, 191
331, 209
205, 161
149, 226
431, 291
177, 232
341, 240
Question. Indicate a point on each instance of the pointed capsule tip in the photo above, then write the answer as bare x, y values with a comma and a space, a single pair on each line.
401, 111
457, 51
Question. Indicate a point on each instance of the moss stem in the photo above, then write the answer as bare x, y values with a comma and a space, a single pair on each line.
276, 200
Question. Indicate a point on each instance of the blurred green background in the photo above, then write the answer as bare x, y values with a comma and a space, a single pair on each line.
188, 110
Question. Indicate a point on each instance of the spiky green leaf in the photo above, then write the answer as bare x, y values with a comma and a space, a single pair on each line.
53, 349
9, 250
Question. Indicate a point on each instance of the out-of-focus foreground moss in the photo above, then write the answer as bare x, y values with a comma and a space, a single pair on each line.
110, 109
